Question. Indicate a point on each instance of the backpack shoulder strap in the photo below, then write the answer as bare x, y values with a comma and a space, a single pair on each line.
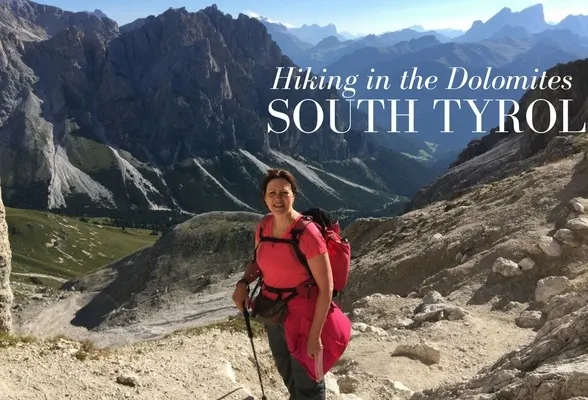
296, 232
262, 225
259, 233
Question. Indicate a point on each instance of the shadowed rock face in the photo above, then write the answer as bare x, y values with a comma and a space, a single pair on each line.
169, 114
6, 296
500, 155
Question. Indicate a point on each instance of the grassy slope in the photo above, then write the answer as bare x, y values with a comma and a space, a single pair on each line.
81, 246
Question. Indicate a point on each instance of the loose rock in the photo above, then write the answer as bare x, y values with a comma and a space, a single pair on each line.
579, 204
437, 312
423, 351
398, 388
551, 286
566, 237
360, 327
527, 263
577, 224
127, 380
432, 297
506, 267
550, 246
529, 319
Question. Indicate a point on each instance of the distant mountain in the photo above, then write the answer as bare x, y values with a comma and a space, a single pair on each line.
575, 23
449, 33
391, 38
331, 48
290, 44
305, 36
169, 115
347, 35
507, 56
315, 33
497, 155
532, 19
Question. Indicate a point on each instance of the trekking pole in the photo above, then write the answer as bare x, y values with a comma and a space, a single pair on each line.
250, 332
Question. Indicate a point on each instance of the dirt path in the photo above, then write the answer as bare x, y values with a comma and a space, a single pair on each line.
465, 347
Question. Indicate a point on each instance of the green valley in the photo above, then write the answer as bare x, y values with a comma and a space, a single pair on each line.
52, 245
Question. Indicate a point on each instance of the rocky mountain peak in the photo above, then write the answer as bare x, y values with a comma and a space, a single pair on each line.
531, 18
145, 117
32, 21
100, 13
535, 11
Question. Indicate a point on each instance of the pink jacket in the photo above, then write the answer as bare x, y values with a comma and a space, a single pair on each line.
335, 335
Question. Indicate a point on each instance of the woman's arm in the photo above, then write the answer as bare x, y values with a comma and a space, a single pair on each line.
252, 270
320, 267
251, 273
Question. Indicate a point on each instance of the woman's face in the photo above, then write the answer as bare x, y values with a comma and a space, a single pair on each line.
279, 197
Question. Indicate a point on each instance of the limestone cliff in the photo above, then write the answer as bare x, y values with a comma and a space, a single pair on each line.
6, 296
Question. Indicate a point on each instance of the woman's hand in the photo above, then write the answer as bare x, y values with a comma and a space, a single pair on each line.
241, 296
313, 345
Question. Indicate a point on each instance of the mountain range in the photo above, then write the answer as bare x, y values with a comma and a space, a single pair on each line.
510, 43
167, 116
319, 46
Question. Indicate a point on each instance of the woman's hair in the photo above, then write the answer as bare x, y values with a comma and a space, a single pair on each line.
276, 173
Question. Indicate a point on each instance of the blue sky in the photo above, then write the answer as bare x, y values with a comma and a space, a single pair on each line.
364, 16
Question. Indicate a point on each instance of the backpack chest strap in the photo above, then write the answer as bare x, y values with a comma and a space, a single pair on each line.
294, 241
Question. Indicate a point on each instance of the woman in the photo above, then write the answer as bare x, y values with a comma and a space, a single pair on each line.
311, 310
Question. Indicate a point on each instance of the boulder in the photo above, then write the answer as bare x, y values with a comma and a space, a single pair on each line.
577, 224
529, 319
551, 286
579, 204
506, 267
527, 263
550, 246
566, 237
421, 351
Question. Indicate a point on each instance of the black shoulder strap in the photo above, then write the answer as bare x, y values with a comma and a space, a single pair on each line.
261, 237
296, 233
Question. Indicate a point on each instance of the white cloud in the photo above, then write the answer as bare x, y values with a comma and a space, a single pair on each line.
253, 14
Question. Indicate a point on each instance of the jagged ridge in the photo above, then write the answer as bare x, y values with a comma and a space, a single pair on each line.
170, 114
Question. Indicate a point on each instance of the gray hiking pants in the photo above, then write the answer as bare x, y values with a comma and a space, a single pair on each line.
299, 384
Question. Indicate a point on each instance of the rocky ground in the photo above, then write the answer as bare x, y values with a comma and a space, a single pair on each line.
480, 297
388, 358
